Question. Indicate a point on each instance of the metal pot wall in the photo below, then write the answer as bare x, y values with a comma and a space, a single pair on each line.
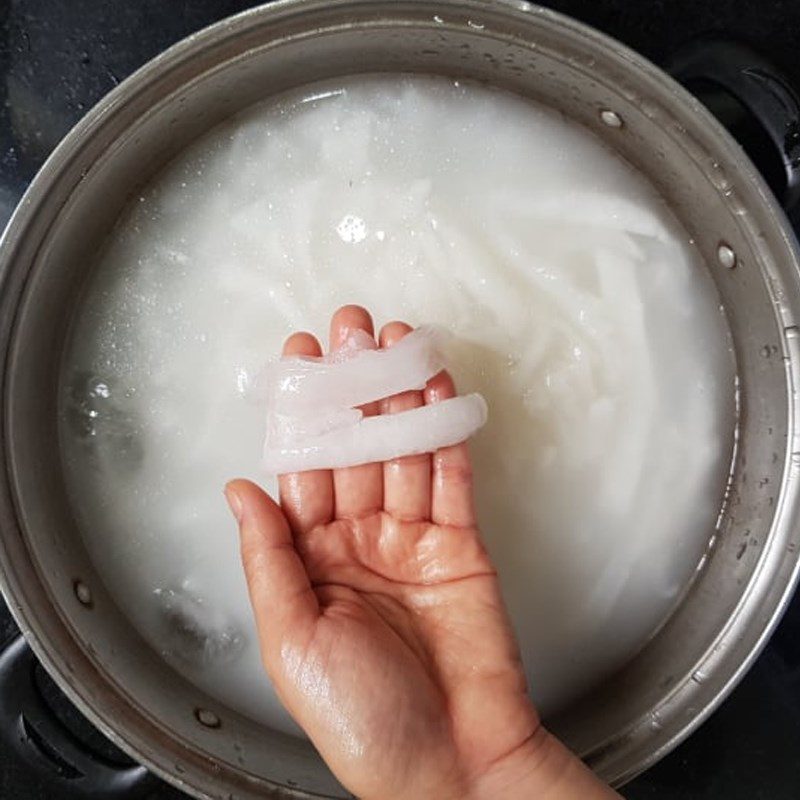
62, 605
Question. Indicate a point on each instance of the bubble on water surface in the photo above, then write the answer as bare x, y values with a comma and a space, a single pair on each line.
352, 229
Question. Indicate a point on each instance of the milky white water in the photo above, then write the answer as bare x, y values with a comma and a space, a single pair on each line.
579, 310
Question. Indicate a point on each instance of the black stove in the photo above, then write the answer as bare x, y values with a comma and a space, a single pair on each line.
56, 60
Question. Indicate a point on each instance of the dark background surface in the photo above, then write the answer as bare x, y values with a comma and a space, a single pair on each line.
58, 57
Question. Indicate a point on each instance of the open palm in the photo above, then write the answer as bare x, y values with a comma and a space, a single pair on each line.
380, 617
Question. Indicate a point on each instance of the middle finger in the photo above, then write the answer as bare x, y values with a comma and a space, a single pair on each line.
358, 491
406, 480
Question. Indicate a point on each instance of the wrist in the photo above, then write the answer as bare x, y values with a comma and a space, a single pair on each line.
541, 768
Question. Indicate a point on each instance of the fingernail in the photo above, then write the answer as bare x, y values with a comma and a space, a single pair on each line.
234, 502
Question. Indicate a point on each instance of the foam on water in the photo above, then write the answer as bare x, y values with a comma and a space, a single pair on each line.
578, 310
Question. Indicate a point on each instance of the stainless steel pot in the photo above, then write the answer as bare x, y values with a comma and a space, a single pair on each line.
61, 603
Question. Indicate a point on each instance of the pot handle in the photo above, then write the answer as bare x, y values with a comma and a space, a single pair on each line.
754, 101
30, 728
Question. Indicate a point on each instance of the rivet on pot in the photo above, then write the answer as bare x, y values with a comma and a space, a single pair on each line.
726, 256
610, 118
207, 718
83, 593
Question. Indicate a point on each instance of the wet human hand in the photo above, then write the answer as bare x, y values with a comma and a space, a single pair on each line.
382, 626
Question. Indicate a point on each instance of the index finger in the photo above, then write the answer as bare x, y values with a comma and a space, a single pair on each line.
306, 497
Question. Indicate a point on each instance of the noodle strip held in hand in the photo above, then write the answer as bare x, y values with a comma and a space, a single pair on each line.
313, 422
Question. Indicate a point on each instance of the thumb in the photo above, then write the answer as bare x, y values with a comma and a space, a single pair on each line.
280, 592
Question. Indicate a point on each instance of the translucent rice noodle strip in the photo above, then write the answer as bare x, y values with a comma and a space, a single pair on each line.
420, 430
585, 208
300, 384
283, 428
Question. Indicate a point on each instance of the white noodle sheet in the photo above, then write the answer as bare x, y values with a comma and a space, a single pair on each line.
313, 422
